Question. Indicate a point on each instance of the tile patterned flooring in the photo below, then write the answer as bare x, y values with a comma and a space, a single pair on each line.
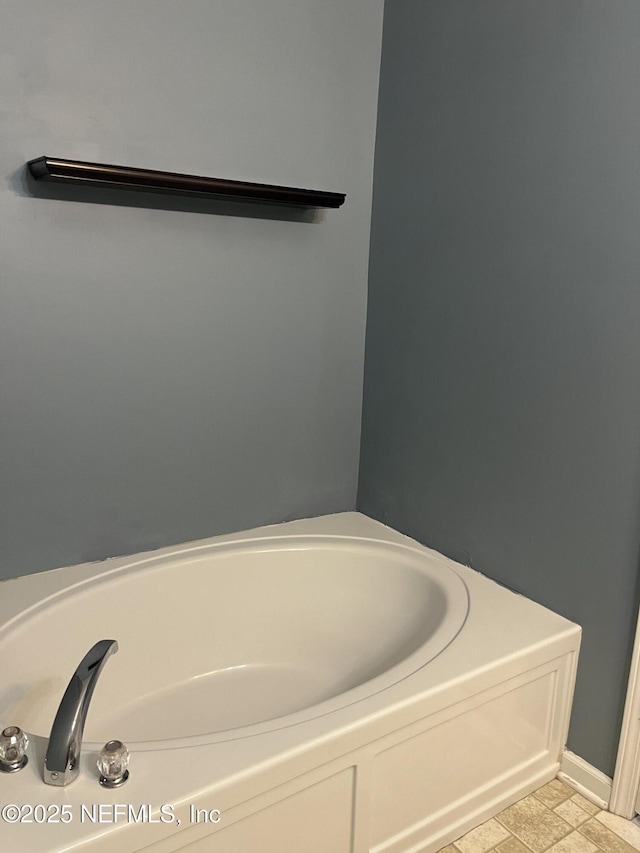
554, 819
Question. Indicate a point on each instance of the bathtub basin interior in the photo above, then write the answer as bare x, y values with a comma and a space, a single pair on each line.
221, 641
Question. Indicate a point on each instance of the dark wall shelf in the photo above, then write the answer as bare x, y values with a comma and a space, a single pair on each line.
78, 173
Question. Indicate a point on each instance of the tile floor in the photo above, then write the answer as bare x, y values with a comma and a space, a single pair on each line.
554, 819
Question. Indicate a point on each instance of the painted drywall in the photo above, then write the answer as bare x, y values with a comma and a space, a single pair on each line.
168, 372
501, 419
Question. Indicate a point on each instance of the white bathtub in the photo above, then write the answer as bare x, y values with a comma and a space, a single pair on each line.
320, 686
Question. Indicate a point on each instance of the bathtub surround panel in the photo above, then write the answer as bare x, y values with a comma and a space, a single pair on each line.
316, 819
164, 374
503, 734
411, 766
501, 409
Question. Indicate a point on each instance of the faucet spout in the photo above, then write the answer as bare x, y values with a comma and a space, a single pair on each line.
61, 764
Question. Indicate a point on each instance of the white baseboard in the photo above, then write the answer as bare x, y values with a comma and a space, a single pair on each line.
585, 779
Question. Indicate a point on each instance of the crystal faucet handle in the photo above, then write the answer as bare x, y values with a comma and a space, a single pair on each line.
112, 764
13, 749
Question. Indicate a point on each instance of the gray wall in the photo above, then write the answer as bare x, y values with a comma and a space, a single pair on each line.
502, 383
169, 373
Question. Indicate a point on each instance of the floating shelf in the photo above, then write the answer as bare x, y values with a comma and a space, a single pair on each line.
76, 172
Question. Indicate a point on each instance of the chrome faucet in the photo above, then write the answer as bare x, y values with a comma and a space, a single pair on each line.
61, 765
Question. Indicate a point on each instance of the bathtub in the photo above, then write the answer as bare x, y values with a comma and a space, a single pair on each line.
319, 686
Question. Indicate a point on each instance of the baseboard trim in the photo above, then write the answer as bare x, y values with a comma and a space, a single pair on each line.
585, 779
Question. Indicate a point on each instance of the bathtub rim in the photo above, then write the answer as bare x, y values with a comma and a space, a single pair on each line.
450, 582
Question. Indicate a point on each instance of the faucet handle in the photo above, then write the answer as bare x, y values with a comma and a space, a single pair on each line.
13, 749
112, 764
